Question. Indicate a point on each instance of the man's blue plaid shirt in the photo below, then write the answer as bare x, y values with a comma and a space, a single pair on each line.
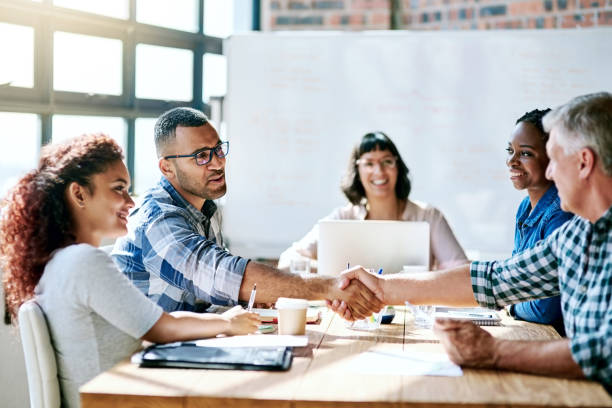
576, 262
171, 257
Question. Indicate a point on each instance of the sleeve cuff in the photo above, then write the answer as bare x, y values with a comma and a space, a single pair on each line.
480, 273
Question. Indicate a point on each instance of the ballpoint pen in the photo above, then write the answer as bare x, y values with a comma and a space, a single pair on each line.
384, 309
252, 298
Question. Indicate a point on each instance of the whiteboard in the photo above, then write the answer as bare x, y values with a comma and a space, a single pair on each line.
297, 103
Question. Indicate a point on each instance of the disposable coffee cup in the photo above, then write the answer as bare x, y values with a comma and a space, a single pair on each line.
291, 315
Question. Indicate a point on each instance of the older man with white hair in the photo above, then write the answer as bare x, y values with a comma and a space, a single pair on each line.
575, 262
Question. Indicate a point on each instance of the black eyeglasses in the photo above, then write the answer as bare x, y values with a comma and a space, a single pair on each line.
204, 156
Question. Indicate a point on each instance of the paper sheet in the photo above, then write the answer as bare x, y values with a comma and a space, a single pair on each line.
255, 340
404, 363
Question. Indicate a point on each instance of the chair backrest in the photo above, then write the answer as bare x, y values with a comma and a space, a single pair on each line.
40, 362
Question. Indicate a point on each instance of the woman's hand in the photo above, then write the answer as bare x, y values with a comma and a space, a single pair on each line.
240, 321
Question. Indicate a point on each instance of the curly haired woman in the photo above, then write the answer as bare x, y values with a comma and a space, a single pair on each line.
51, 224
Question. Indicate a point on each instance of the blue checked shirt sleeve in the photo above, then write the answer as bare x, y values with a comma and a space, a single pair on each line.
531, 274
191, 262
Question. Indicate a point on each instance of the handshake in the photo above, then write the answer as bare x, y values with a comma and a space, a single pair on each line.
361, 293
358, 294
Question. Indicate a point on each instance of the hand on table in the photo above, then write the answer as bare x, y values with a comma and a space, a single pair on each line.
466, 343
241, 321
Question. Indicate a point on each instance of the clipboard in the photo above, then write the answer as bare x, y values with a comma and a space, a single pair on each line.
189, 355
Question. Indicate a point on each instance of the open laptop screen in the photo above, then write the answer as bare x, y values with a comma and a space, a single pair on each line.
371, 244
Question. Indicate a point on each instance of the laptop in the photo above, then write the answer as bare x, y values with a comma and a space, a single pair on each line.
372, 244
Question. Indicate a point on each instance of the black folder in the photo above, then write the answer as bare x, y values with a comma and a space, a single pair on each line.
189, 355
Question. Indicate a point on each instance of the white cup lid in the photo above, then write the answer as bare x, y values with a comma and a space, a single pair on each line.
291, 303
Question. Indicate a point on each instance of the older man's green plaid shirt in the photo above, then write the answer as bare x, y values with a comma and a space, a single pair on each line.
576, 262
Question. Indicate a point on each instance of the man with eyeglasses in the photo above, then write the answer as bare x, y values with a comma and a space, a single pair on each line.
174, 251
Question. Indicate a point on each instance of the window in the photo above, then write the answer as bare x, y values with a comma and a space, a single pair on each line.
215, 76
83, 63
164, 73
68, 126
218, 18
17, 49
17, 158
146, 172
110, 8
86, 66
177, 14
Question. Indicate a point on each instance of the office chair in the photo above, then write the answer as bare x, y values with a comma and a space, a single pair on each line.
41, 367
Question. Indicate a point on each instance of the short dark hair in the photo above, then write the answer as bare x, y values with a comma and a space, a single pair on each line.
165, 127
534, 117
351, 184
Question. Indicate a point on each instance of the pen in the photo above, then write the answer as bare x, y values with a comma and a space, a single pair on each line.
467, 314
384, 310
252, 298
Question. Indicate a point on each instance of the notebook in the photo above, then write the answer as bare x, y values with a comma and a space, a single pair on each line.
477, 315
313, 316
189, 355
372, 244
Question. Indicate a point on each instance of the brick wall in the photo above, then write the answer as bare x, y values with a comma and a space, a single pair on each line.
434, 14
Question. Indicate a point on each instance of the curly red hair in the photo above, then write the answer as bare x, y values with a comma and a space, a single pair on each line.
34, 217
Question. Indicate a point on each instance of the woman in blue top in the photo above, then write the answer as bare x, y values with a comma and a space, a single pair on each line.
539, 214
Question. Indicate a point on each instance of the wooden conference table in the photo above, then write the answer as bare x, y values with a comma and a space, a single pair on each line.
321, 377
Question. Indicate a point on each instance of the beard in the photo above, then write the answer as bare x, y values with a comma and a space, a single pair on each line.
199, 187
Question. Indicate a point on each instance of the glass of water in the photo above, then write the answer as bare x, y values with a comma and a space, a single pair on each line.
423, 315
300, 265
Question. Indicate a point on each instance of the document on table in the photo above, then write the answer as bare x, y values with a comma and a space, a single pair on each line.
255, 340
404, 363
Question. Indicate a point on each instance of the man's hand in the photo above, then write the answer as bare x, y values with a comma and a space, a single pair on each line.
467, 344
351, 276
357, 299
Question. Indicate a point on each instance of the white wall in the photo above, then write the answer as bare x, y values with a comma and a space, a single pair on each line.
297, 102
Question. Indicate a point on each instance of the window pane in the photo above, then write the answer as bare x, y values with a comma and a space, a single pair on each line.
215, 76
177, 14
19, 147
67, 126
17, 49
111, 8
218, 18
146, 173
82, 63
164, 73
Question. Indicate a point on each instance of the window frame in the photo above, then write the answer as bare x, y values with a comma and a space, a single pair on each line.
42, 99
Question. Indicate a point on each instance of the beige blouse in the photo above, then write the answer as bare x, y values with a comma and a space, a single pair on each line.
445, 250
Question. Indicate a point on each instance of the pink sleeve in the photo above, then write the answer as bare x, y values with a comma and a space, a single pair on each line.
445, 248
